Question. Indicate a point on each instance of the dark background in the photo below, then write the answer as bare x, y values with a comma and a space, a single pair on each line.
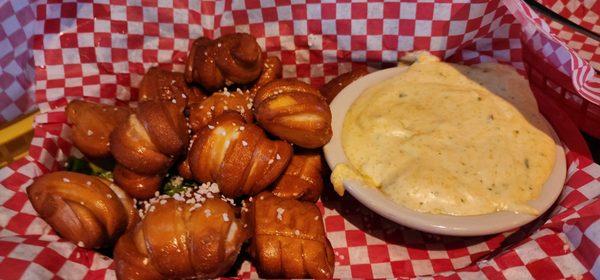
594, 145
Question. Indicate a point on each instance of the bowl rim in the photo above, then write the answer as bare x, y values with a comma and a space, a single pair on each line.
473, 225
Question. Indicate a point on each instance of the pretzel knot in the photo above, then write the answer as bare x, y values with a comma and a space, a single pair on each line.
294, 111
86, 210
231, 59
288, 238
92, 125
238, 156
302, 180
179, 240
147, 144
159, 84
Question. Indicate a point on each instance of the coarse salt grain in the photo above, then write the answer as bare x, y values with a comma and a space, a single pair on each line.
270, 161
66, 180
89, 183
316, 218
207, 212
80, 244
244, 143
225, 217
89, 132
242, 128
214, 188
280, 213
109, 196
145, 261
278, 157
297, 232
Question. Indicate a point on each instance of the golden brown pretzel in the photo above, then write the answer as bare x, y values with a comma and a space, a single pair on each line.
294, 111
331, 89
302, 179
184, 170
203, 113
234, 58
150, 139
92, 124
139, 186
178, 240
237, 156
272, 70
159, 84
289, 238
86, 210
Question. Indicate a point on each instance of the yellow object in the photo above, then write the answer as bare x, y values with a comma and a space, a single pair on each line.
445, 139
15, 137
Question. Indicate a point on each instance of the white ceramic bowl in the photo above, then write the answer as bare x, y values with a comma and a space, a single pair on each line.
438, 224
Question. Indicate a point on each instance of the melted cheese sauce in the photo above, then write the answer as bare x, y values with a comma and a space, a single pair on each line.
449, 139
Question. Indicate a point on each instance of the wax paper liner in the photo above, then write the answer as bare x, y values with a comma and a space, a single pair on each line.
99, 51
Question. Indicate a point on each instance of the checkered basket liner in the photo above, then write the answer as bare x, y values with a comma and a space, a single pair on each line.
583, 13
99, 51
17, 21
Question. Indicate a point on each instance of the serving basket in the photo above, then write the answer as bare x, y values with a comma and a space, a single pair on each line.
99, 52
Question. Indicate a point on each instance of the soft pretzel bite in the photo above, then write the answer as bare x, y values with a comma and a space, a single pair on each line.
92, 124
150, 139
159, 84
294, 111
86, 210
178, 240
331, 89
302, 179
272, 70
231, 59
203, 113
289, 238
139, 186
238, 156
184, 170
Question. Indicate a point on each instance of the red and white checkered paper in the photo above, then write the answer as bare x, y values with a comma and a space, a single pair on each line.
100, 51
583, 13
17, 20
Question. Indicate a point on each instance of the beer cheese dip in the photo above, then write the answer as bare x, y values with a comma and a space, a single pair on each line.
449, 139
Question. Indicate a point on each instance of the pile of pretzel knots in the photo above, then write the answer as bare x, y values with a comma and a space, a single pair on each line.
229, 122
